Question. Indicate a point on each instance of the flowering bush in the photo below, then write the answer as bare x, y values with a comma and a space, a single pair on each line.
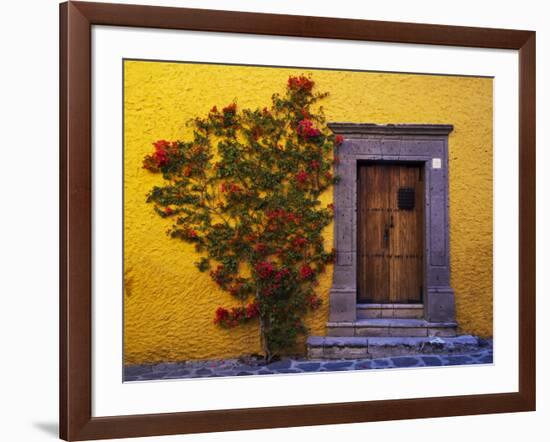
245, 191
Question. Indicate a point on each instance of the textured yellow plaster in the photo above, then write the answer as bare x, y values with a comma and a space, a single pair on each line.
169, 305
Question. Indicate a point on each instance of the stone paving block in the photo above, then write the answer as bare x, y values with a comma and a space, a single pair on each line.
137, 370
337, 365
458, 360
487, 359
131, 378
432, 361
464, 340
180, 373
381, 363
405, 361
164, 366
285, 363
363, 365
309, 366
384, 352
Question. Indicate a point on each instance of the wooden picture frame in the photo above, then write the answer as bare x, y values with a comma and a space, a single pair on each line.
76, 421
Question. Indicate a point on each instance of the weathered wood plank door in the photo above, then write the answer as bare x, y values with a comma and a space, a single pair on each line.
390, 236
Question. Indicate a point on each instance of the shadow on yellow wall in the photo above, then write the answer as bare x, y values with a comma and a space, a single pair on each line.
169, 305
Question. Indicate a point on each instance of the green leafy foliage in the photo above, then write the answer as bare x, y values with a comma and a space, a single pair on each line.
245, 191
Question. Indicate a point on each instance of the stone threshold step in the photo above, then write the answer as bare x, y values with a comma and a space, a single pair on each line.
391, 322
390, 306
368, 311
330, 347
391, 327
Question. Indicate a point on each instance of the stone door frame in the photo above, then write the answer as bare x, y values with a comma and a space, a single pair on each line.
425, 144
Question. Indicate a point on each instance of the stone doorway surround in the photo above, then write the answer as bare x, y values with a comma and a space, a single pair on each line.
425, 144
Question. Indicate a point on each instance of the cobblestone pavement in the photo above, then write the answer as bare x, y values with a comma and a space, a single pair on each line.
236, 367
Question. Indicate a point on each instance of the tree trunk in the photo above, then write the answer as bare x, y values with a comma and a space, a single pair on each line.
263, 339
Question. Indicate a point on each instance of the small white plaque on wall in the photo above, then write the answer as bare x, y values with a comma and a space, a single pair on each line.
436, 163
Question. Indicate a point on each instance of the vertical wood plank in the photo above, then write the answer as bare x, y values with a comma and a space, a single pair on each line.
405, 255
373, 270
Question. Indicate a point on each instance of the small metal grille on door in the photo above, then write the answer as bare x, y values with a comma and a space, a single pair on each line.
405, 198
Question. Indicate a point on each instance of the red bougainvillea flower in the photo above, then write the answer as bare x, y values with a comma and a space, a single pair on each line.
191, 233
299, 241
264, 269
217, 275
231, 318
314, 302
168, 211
250, 237
306, 130
159, 158
235, 289
257, 132
281, 274
314, 164
230, 108
230, 187
301, 177
339, 139
306, 272
260, 248
222, 314
328, 175
282, 216
161, 145
301, 83
336, 159
274, 214
252, 310
296, 219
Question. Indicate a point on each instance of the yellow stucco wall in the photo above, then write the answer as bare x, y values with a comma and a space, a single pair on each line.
169, 305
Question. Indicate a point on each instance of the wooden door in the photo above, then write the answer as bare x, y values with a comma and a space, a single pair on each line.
390, 233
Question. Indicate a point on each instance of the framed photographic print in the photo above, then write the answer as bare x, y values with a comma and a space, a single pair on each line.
274, 220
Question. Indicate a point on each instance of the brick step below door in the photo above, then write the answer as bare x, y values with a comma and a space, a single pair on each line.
391, 327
